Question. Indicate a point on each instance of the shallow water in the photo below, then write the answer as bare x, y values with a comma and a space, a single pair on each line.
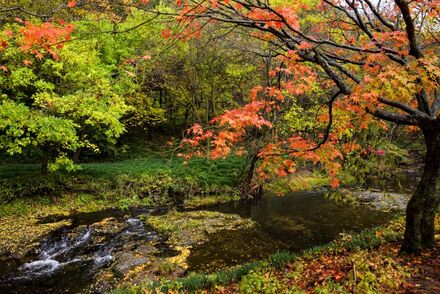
293, 222
69, 259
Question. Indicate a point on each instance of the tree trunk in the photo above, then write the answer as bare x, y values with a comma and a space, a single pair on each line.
76, 154
250, 172
247, 189
45, 159
421, 209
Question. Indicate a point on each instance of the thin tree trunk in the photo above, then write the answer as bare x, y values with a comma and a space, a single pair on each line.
76, 154
250, 172
421, 209
246, 187
45, 159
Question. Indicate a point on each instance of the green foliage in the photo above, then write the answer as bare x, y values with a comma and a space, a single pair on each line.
64, 163
58, 105
28, 187
126, 53
371, 273
379, 158
20, 127
144, 113
262, 282
330, 287
235, 274
280, 259
369, 239
299, 118
166, 82
299, 181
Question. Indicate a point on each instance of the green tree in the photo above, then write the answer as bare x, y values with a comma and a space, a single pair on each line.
57, 98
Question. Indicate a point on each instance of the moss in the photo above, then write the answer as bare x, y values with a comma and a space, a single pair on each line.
209, 200
194, 227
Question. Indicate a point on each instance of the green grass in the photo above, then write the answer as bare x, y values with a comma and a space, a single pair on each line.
219, 172
15, 170
122, 184
193, 282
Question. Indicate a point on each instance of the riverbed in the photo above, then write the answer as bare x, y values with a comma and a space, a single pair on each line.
98, 250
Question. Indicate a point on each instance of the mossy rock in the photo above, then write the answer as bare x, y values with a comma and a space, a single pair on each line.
194, 227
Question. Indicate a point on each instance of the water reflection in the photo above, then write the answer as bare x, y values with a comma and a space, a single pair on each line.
293, 222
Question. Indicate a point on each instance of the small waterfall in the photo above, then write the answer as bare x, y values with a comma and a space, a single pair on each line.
70, 259
54, 255
103, 260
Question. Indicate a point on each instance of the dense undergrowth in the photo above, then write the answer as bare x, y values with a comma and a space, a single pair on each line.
367, 262
147, 182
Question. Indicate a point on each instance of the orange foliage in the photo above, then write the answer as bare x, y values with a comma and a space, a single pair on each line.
372, 64
45, 38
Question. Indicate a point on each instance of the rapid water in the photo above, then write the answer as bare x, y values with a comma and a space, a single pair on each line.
69, 258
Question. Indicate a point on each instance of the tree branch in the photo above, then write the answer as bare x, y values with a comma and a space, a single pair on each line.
414, 48
393, 117
402, 106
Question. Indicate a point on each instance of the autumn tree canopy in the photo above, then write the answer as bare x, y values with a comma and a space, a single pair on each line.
376, 61
336, 67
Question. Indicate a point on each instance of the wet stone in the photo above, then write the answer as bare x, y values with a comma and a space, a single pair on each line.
382, 200
146, 250
108, 226
126, 262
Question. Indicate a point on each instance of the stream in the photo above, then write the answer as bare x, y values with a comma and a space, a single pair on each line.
70, 259
289, 223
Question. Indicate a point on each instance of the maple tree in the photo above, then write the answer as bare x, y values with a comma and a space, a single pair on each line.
69, 10
342, 66
376, 61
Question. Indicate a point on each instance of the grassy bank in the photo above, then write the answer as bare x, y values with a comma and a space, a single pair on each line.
147, 182
26, 196
223, 171
368, 262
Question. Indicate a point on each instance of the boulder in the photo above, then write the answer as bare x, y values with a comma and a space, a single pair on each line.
126, 261
382, 200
